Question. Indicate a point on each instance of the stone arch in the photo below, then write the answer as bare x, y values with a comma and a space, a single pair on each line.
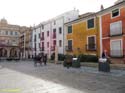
14, 52
3, 52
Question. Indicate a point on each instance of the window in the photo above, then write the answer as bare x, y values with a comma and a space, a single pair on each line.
47, 33
15, 33
69, 29
11, 33
39, 45
115, 12
91, 43
60, 30
47, 44
90, 23
54, 42
60, 43
69, 44
54, 33
116, 48
42, 48
42, 38
34, 38
6, 32
39, 35
42, 44
35, 46
116, 28
54, 30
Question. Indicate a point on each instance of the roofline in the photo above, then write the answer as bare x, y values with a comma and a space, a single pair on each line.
95, 14
80, 18
110, 7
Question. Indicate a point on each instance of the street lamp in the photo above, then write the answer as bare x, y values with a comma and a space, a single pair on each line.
24, 47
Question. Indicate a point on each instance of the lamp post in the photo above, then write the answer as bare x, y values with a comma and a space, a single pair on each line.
24, 47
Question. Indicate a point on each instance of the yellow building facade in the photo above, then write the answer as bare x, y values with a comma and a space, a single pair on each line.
84, 37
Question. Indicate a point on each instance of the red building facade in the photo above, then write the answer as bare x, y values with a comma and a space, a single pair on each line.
113, 31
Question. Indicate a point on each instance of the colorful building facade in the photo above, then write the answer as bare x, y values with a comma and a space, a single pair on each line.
83, 35
12, 40
25, 42
9, 39
50, 34
113, 31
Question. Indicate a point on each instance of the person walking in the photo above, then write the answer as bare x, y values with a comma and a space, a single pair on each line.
103, 55
45, 59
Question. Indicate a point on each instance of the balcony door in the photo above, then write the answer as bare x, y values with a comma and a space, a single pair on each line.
116, 48
69, 44
91, 43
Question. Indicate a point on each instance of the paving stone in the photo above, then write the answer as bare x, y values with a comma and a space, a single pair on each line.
57, 79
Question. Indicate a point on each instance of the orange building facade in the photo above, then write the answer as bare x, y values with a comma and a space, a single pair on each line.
83, 35
113, 31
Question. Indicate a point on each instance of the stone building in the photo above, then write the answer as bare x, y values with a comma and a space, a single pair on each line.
25, 42
10, 39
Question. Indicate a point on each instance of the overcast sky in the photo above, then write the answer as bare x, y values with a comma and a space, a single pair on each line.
30, 12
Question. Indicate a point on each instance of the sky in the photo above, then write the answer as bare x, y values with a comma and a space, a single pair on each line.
30, 12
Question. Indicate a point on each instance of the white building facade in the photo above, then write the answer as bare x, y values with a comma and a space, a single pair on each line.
52, 33
36, 41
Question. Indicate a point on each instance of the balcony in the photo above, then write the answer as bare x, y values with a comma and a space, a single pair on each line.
91, 47
52, 48
116, 53
54, 36
68, 48
42, 48
42, 38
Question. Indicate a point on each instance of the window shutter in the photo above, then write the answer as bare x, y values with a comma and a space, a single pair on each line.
116, 49
116, 28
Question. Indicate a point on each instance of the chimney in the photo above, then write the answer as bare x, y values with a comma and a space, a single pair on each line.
101, 8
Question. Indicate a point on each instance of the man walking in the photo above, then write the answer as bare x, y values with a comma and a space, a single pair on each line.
45, 59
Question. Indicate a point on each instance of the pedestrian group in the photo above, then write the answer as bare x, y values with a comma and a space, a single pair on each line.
40, 58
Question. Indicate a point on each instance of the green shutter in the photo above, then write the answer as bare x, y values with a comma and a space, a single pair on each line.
69, 29
90, 23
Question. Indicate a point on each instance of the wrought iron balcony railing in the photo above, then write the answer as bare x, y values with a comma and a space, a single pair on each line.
42, 48
52, 48
68, 48
91, 47
42, 38
54, 35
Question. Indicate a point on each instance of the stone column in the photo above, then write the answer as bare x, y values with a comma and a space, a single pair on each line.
8, 52
25, 54
56, 54
21, 55
17, 52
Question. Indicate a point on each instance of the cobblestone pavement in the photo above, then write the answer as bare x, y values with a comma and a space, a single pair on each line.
23, 77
